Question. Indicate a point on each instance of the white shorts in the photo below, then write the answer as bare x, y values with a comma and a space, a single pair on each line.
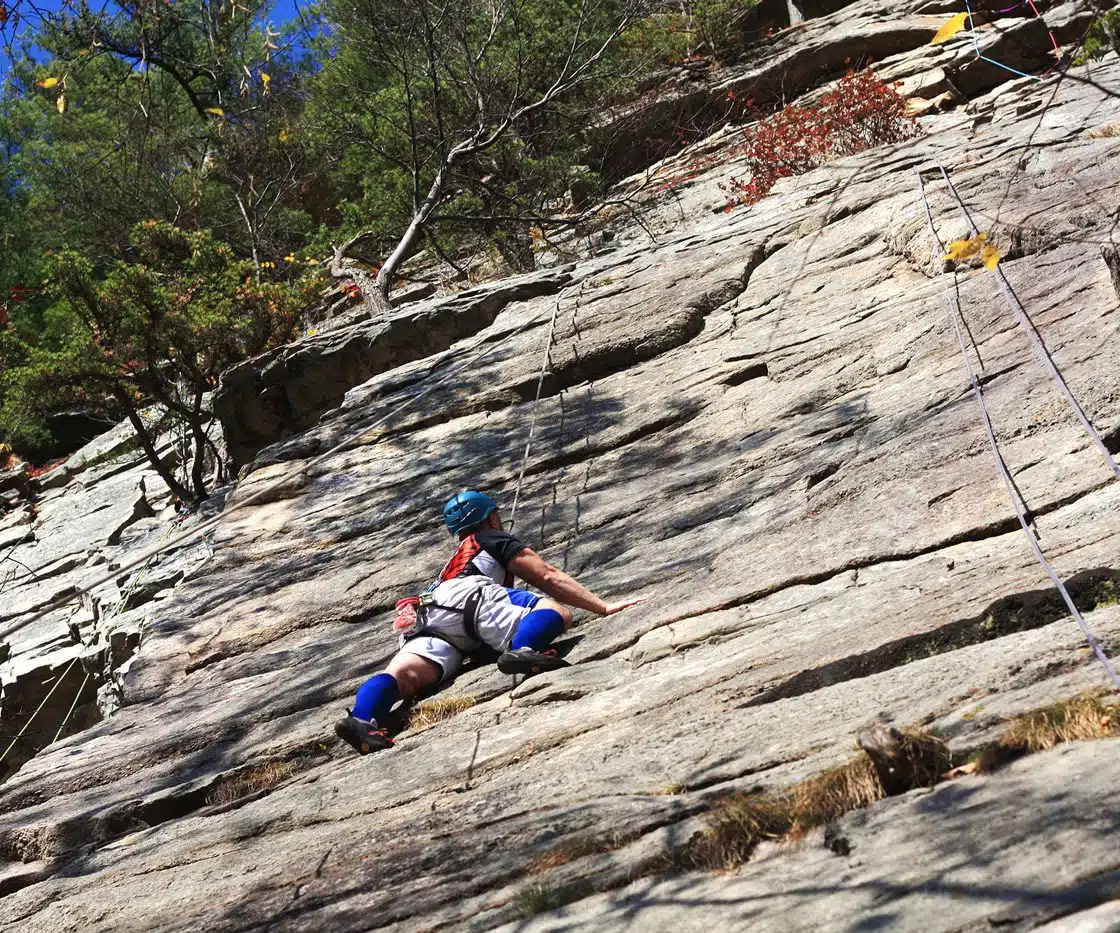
446, 640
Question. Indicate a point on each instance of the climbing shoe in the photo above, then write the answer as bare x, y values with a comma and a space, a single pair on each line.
528, 661
364, 737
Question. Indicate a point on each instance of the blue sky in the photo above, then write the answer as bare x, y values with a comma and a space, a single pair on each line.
283, 11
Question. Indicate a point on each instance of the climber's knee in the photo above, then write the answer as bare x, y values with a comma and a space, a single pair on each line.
538, 629
565, 612
414, 673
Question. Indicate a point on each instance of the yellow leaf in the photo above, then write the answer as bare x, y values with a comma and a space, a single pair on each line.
991, 257
284, 134
265, 78
47, 82
954, 25
966, 249
216, 111
61, 103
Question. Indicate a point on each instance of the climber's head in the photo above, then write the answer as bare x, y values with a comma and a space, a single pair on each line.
467, 510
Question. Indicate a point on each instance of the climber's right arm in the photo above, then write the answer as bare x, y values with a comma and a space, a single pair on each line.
533, 569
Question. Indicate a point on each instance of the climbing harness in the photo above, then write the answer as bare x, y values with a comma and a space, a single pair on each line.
411, 616
953, 309
411, 620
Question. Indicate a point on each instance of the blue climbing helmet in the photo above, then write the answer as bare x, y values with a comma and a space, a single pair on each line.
467, 509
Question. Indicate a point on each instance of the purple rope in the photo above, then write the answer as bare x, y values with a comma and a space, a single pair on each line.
954, 312
1006, 9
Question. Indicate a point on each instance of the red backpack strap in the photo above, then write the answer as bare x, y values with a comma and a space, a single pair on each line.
468, 550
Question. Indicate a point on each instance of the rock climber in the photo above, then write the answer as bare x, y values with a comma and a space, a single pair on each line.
470, 606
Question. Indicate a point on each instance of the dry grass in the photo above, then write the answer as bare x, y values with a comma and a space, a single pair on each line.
738, 824
735, 828
1108, 131
830, 795
571, 849
1082, 718
250, 781
432, 712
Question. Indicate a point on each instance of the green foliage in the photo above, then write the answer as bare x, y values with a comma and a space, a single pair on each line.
186, 113
660, 39
718, 23
155, 155
411, 80
163, 324
1101, 38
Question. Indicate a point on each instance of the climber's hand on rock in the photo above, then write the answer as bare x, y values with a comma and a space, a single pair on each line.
612, 608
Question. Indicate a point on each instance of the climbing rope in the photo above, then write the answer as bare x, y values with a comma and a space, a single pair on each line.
991, 61
39, 709
952, 307
202, 528
533, 419
1039, 347
73, 706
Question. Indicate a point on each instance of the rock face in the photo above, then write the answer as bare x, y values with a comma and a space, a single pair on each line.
70, 527
267, 398
762, 422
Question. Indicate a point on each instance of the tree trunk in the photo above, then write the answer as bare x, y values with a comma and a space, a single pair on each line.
374, 298
252, 235
197, 479
177, 489
419, 223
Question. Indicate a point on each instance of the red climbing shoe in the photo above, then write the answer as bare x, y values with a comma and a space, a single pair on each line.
528, 661
364, 737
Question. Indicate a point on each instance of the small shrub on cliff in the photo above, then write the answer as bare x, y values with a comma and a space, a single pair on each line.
160, 327
859, 113
1101, 38
719, 23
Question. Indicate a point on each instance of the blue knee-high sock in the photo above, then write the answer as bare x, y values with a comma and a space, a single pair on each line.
376, 698
538, 630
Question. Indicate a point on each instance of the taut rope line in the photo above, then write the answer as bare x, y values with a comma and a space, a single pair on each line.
953, 309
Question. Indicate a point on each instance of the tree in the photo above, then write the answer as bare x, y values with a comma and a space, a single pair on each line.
186, 112
160, 328
451, 98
